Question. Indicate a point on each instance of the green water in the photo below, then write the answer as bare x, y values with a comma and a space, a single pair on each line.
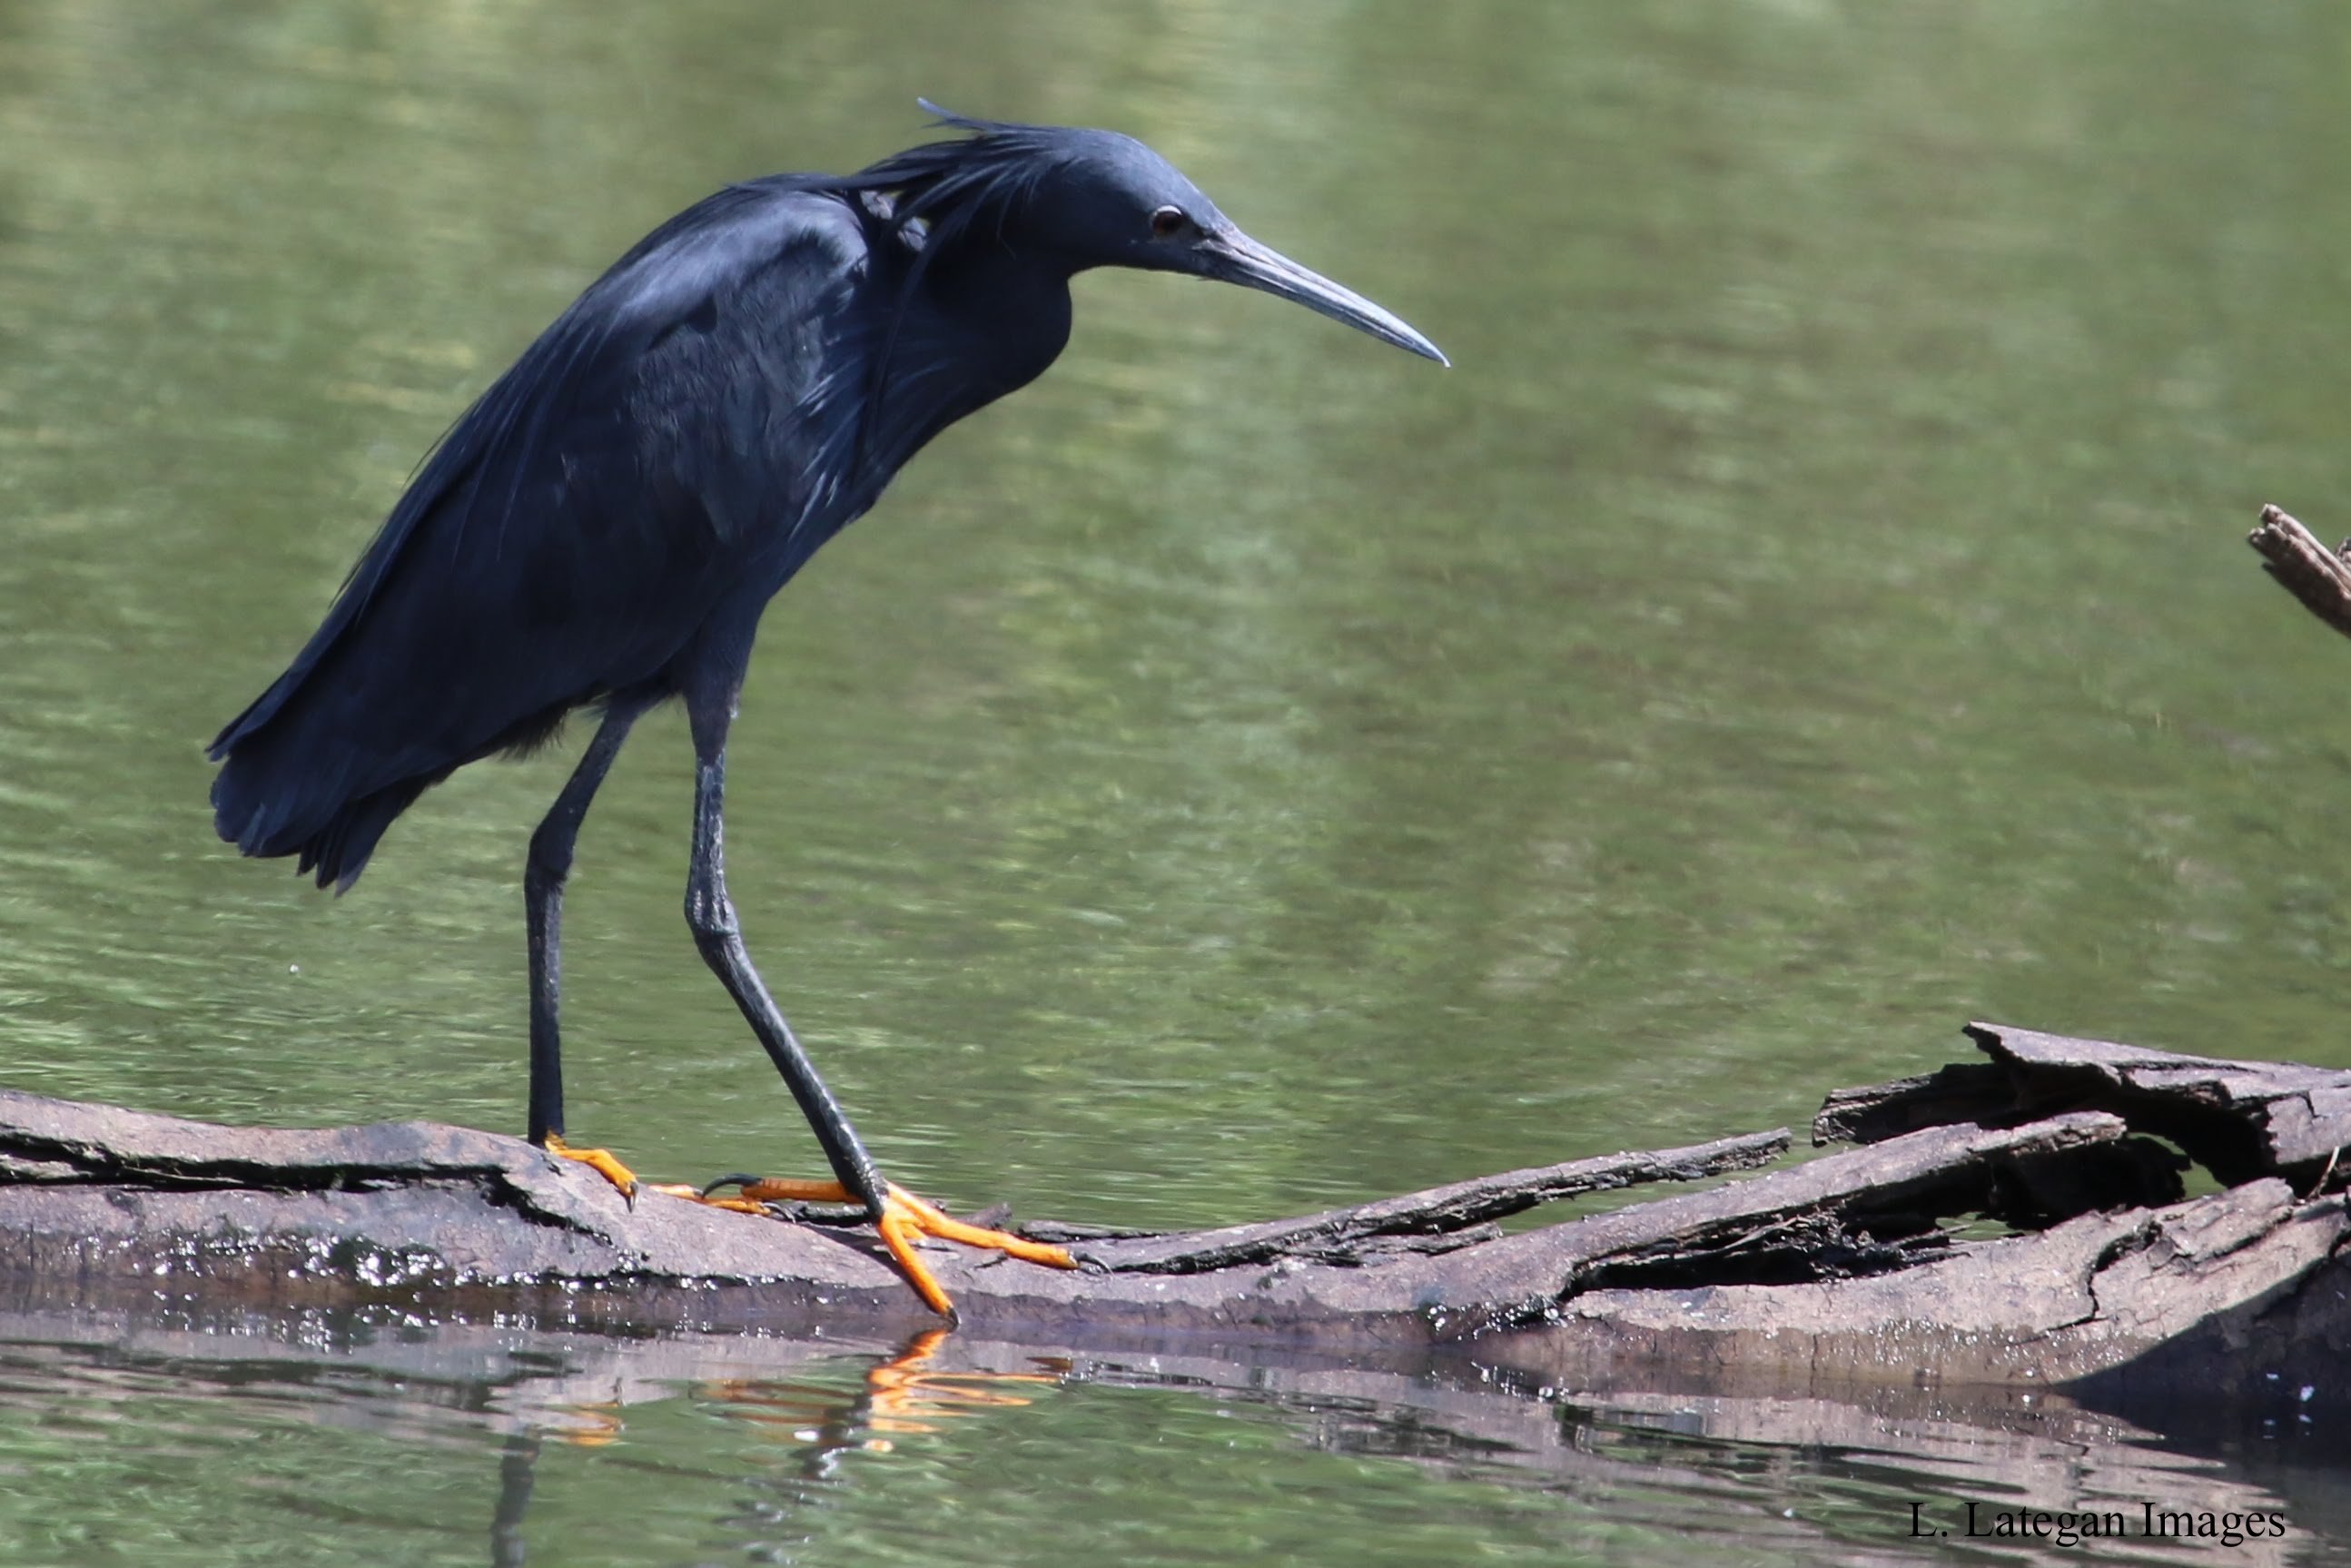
1249, 769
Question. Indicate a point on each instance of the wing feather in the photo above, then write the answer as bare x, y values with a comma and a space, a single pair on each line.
676, 429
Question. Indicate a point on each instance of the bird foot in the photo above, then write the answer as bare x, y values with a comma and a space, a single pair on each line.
604, 1162
904, 1217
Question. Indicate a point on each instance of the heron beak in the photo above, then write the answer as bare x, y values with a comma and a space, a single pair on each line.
1231, 256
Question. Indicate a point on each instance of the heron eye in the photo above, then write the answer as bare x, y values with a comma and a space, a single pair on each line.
1168, 222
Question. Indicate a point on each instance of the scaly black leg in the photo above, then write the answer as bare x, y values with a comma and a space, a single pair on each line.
711, 915
898, 1215
542, 895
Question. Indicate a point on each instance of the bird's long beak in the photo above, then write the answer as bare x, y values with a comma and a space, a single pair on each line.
1233, 258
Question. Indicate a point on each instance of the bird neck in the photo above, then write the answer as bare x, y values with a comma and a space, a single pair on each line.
1014, 306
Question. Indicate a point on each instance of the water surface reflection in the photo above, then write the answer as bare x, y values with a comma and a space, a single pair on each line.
468, 1442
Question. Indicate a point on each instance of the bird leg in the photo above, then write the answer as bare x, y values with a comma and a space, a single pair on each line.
542, 895
897, 1215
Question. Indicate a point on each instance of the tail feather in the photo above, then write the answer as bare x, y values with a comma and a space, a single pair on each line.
268, 812
339, 852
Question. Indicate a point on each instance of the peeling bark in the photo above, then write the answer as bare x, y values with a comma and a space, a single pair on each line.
1444, 1214
2241, 1118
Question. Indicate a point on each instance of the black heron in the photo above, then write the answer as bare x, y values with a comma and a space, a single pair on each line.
604, 526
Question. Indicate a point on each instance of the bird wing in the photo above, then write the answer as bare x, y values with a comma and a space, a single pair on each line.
678, 428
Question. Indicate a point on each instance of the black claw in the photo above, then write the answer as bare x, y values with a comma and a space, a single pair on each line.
738, 1179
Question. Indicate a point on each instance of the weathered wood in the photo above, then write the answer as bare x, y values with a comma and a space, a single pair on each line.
2198, 1297
2241, 1119
2319, 577
97, 1200
1842, 1215
1816, 1263
1962, 1091
1336, 1235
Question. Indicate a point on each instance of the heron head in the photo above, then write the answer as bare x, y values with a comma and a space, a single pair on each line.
1096, 198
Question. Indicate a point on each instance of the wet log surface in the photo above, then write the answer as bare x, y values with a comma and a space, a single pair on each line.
2016, 1219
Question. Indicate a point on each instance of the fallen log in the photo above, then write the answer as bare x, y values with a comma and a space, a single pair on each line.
2014, 1219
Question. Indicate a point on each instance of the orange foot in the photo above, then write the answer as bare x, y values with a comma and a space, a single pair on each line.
601, 1161
904, 1217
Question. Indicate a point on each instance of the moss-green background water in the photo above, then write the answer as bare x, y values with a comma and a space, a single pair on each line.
1251, 769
